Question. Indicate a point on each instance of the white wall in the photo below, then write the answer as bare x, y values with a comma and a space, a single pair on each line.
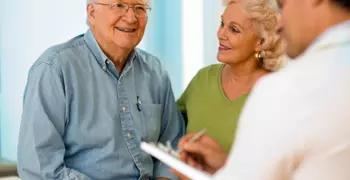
192, 45
200, 21
27, 29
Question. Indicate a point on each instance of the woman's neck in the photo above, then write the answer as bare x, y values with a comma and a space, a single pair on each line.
244, 73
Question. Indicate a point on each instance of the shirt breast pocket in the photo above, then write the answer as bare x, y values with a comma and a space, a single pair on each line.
152, 123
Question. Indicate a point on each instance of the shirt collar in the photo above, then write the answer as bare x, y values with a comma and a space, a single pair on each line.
95, 48
99, 54
129, 62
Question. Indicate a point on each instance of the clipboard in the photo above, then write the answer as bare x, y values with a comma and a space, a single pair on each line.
174, 162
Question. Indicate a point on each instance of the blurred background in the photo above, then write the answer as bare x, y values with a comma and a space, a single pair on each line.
181, 33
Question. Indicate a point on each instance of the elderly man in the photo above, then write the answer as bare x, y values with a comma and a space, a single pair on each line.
296, 122
89, 103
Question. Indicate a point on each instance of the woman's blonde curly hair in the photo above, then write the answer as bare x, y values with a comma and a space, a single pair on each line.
264, 15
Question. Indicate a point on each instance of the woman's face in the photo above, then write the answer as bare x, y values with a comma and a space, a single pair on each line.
237, 37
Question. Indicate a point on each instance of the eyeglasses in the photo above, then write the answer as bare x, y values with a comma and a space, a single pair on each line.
140, 10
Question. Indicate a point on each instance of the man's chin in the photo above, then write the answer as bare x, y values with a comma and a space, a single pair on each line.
293, 53
126, 44
291, 56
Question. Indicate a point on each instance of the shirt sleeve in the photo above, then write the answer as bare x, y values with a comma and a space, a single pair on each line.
182, 101
257, 153
173, 128
41, 148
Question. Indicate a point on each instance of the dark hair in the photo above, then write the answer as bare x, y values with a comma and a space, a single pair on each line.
343, 3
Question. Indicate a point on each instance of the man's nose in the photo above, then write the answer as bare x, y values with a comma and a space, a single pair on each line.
130, 16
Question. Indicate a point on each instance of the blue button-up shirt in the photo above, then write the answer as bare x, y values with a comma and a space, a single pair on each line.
82, 121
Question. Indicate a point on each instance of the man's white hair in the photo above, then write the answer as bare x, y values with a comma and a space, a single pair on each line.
91, 1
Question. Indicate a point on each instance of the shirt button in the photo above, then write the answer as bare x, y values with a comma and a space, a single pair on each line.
123, 108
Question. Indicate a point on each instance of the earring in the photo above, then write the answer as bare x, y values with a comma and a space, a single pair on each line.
258, 56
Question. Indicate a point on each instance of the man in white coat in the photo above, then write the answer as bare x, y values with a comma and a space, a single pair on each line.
296, 123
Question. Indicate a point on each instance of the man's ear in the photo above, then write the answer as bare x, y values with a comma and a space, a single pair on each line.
90, 11
316, 2
259, 44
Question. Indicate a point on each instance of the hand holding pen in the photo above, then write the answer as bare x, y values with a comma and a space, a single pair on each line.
202, 152
193, 139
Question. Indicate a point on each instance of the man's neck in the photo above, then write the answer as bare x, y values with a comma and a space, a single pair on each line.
119, 57
330, 17
116, 54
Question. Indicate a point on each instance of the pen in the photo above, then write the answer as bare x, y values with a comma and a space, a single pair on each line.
138, 103
193, 139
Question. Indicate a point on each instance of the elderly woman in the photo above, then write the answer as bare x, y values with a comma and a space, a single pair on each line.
249, 49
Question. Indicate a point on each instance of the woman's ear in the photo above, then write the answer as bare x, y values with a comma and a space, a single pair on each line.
260, 44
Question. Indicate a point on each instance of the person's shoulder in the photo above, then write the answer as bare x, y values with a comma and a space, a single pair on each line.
206, 75
208, 71
275, 84
149, 62
51, 56
149, 65
147, 58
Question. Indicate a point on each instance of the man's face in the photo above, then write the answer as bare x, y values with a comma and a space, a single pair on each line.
296, 25
124, 30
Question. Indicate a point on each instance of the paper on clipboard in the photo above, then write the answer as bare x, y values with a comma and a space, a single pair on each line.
174, 162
